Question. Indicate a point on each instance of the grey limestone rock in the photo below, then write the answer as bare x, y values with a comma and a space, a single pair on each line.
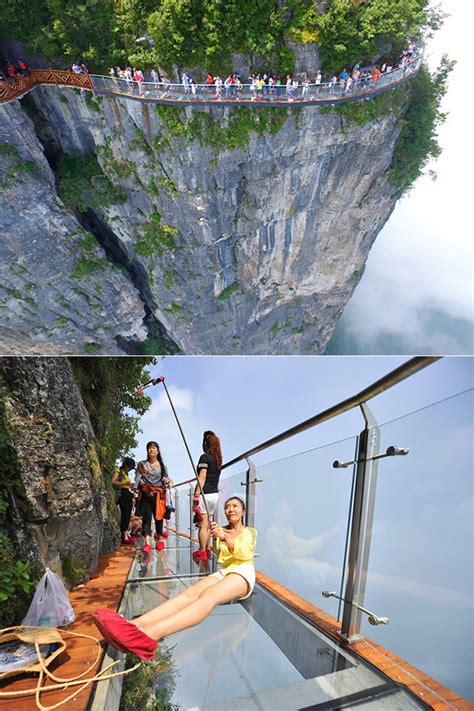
46, 304
65, 514
262, 245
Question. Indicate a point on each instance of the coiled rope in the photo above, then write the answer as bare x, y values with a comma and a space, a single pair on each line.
61, 683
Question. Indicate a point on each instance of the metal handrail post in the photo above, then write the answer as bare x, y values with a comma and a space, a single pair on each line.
361, 527
176, 509
250, 494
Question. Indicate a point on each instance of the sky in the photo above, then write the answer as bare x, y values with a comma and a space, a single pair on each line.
249, 399
421, 264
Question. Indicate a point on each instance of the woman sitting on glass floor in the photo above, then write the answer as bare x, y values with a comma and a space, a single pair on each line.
234, 580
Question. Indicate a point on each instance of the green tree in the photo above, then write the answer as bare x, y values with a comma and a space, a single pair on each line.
109, 389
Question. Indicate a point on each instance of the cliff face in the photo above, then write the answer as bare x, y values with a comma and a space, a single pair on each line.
64, 520
245, 250
45, 304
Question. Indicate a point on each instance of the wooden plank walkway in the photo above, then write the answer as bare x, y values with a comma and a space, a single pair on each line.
103, 589
427, 689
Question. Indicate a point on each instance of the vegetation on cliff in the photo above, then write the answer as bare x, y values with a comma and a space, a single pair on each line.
205, 33
109, 392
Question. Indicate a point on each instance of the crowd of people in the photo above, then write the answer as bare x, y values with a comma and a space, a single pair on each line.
13, 71
233, 545
264, 84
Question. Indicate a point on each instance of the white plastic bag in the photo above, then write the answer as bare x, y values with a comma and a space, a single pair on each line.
50, 606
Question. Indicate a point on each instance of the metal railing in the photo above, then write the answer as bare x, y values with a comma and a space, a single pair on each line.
323, 93
165, 92
364, 488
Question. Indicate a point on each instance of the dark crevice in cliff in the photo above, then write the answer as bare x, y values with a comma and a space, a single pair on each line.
158, 340
118, 254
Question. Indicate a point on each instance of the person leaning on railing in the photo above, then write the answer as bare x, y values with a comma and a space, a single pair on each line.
234, 580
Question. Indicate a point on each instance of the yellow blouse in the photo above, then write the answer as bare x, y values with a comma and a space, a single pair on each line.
244, 549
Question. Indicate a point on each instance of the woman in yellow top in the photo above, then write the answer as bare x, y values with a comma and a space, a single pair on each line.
234, 580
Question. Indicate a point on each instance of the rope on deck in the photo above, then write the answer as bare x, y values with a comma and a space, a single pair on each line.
62, 683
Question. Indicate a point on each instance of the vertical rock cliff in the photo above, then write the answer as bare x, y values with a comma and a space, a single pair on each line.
62, 514
254, 248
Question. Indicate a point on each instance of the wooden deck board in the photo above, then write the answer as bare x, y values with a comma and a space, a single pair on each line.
103, 589
430, 691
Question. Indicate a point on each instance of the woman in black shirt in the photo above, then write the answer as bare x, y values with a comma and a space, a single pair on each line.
208, 470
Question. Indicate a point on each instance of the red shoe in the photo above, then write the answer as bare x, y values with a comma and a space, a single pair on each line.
160, 546
199, 555
165, 535
147, 548
124, 635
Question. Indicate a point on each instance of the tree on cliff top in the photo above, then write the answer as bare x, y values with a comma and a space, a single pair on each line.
109, 390
103, 33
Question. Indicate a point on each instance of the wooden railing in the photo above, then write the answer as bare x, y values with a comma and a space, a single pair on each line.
13, 89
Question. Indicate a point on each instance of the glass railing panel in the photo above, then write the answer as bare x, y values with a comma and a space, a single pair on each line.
421, 562
301, 518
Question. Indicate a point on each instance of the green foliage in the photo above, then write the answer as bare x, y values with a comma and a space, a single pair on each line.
92, 348
206, 32
108, 388
167, 184
174, 309
151, 686
199, 32
83, 185
417, 143
350, 31
228, 291
230, 130
92, 261
157, 237
361, 112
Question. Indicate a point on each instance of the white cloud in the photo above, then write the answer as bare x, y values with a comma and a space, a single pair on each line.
183, 400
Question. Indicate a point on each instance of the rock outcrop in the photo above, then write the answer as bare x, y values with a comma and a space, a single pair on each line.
252, 249
65, 518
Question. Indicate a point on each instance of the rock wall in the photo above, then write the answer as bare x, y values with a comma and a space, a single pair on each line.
65, 521
262, 245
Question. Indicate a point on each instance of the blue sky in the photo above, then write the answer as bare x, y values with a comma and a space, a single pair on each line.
246, 400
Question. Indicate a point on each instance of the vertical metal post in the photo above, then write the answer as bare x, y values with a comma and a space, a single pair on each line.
176, 511
250, 494
361, 526
190, 517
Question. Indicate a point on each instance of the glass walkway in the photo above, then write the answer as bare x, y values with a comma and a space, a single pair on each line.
364, 584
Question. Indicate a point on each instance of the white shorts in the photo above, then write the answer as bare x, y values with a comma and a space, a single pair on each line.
212, 501
245, 570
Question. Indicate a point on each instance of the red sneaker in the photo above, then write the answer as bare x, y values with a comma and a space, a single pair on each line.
165, 534
147, 548
199, 555
124, 635
160, 546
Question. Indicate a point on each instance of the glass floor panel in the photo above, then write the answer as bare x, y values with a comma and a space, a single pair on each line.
168, 563
253, 655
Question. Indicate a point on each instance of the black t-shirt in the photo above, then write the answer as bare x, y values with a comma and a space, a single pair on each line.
208, 462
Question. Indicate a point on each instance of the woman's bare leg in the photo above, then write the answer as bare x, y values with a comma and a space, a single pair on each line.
186, 597
232, 587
